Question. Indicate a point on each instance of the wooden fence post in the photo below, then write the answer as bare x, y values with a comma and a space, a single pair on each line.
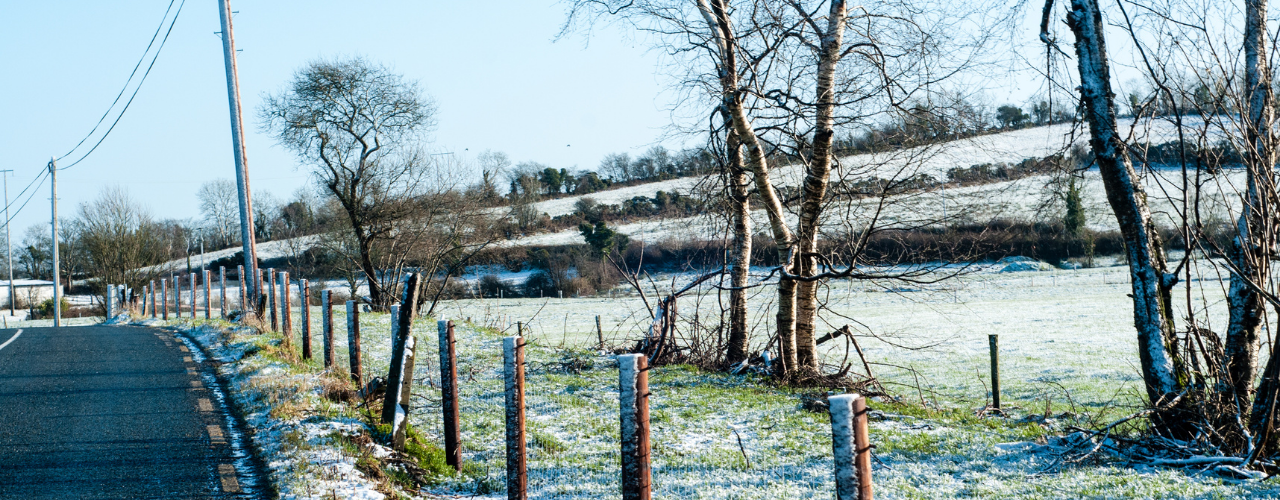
599, 332
401, 330
304, 287
286, 314
994, 340
152, 289
449, 395
633, 402
513, 377
164, 299
222, 285
273, 300
244, 294
353, 342
208, 288
326, 328
402, 387
851, 447
194, 285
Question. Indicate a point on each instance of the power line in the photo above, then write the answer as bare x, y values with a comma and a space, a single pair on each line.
141, 58
41, 178
135, 90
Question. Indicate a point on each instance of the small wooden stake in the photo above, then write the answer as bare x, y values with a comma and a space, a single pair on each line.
449, 395
326, 315
995, 370
305, 288
633, 401
513, 377
353, 342
599, 332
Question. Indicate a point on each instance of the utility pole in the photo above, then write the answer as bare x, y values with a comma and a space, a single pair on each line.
8, 244
57, 271
237, 144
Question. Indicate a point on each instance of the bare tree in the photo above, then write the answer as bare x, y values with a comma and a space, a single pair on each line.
119, 240
219, 206
355, 124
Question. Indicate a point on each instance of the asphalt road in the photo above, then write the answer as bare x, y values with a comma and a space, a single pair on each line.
110, 412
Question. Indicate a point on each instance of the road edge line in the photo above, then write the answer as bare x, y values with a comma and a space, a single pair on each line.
11, 339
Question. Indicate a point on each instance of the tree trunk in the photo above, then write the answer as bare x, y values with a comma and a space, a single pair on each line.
1255, 238
740, 260
817, 177
370, 272
1152, 310
715, 12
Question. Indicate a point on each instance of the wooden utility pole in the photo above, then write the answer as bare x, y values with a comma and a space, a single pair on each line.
8, 244
57, 267
237, 145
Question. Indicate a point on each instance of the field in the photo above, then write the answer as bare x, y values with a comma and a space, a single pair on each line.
1067, 348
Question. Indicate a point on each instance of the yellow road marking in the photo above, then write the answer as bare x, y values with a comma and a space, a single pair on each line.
215, 435
228, 476
205, 405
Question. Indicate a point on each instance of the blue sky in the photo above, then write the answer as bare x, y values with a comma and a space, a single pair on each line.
500, 81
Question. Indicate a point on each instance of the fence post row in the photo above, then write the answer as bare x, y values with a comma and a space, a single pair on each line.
513, 382
633, 405
326, 327
208, 308
222, 285
304, 286
401, 328
164, 299
286, 308
272, 298
353, 342
449, 395
851, 447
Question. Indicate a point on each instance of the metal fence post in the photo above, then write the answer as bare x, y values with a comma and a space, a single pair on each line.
633, 403
353, 342
851, 447
513, 377
304, 288
449, 395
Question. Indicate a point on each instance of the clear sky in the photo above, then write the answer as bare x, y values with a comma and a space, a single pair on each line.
500, 81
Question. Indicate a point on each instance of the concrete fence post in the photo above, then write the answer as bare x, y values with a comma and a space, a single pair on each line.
633, 405
449, 395
513, 377
326, 327
110, 299
304, 288
208, 291
353, 342
851, 447
286, 307
222, 285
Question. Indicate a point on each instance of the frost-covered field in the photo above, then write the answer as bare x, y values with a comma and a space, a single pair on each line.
1067, 346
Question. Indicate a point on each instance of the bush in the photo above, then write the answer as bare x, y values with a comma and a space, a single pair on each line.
492, 286
45, 309
540, 284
